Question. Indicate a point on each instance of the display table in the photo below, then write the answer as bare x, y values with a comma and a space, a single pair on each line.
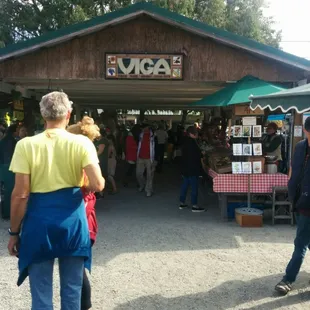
233, 184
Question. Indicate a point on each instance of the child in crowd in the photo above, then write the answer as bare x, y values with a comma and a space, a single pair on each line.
87, 128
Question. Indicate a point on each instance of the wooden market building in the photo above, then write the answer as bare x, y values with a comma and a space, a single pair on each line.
139, 57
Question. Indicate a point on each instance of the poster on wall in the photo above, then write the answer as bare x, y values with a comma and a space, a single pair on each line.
144, 66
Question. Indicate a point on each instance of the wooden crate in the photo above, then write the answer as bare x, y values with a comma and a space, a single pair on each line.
248, 220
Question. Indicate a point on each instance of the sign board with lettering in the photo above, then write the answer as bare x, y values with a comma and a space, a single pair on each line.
244, 110
144, 66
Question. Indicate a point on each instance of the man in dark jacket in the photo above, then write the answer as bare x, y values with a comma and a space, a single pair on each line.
299, 194
191, 169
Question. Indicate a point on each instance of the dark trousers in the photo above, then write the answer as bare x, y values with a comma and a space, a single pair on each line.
160, 156
130, 170
302, 243
193, 183
86, 290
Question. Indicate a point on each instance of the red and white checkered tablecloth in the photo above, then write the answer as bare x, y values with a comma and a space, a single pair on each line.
260, 183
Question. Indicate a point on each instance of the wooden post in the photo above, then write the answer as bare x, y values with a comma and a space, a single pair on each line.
297, 122
77, 112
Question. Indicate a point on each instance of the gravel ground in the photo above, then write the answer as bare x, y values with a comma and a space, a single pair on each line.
150, 255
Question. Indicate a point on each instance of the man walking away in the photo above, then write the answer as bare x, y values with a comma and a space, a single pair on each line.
298, 189
191, 169
146, 155
162, 138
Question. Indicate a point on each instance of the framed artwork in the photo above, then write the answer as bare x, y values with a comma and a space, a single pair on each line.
237, 149
257, 149
237, 131
247, 167
257, 167
247, 130
257, 131
236, 167
247, 149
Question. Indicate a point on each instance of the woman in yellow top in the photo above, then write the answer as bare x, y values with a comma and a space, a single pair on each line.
49, 173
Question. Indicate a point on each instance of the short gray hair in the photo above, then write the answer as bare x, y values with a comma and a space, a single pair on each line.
55, 106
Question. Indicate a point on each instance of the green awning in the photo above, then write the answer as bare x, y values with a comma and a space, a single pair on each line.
238, 93
297, 98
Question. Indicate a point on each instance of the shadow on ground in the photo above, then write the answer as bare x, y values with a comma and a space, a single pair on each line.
230, 295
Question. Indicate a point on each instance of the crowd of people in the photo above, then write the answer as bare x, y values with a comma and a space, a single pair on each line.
54, 179
57, 176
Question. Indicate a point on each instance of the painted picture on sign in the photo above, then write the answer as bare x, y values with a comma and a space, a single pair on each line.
236, 167
237, 149
111, 72
247, 149
111, 60
247, 131
177, 60
237, 131
257, 149
257, 167
247, 167
257, 131
176, 73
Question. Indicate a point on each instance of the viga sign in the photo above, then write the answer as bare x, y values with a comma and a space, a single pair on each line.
141, 66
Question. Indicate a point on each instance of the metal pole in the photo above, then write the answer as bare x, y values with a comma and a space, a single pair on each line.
249, 191
290, 155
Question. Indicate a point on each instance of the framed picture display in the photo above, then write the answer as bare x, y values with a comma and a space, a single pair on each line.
236, 167
257, 149
257, 131
238, 131
237, 149
246, 167
257, 167
247, 149
246, 132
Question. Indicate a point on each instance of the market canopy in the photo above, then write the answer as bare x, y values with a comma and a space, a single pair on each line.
238, 93
297, 98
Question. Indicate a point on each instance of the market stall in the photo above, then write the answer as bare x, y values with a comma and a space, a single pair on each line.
241, 169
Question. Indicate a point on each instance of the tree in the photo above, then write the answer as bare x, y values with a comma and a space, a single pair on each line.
211, 12
20, 20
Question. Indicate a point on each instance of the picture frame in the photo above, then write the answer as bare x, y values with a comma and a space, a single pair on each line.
257, 131
246, 131
257, 167
247, 149
238, 131
257, 149
236, 167
237, 149
246, 167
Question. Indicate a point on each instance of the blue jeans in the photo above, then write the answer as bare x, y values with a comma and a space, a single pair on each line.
193, 183
302, 242
71, 279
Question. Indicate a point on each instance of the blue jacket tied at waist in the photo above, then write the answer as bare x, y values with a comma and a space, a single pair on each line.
299, 183
54, 226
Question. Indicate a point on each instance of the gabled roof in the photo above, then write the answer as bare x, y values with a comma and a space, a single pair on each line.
159, 14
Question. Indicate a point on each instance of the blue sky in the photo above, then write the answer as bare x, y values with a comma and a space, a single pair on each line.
292, 17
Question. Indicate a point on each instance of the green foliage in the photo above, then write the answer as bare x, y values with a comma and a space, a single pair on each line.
20, 20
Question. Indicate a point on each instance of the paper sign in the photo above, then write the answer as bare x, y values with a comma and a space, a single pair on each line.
297, 131
249, 121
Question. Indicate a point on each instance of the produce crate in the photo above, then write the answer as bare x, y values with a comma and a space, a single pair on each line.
249, 217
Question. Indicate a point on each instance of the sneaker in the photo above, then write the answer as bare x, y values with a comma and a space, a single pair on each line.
197, 210
182, 207
283, 287
141, 189
148, 194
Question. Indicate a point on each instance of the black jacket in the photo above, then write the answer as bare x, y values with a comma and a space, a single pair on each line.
191, 158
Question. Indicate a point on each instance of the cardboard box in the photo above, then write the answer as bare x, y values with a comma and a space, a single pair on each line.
246, 219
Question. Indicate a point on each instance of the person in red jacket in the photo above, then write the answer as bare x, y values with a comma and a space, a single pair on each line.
87, 128
131, 153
